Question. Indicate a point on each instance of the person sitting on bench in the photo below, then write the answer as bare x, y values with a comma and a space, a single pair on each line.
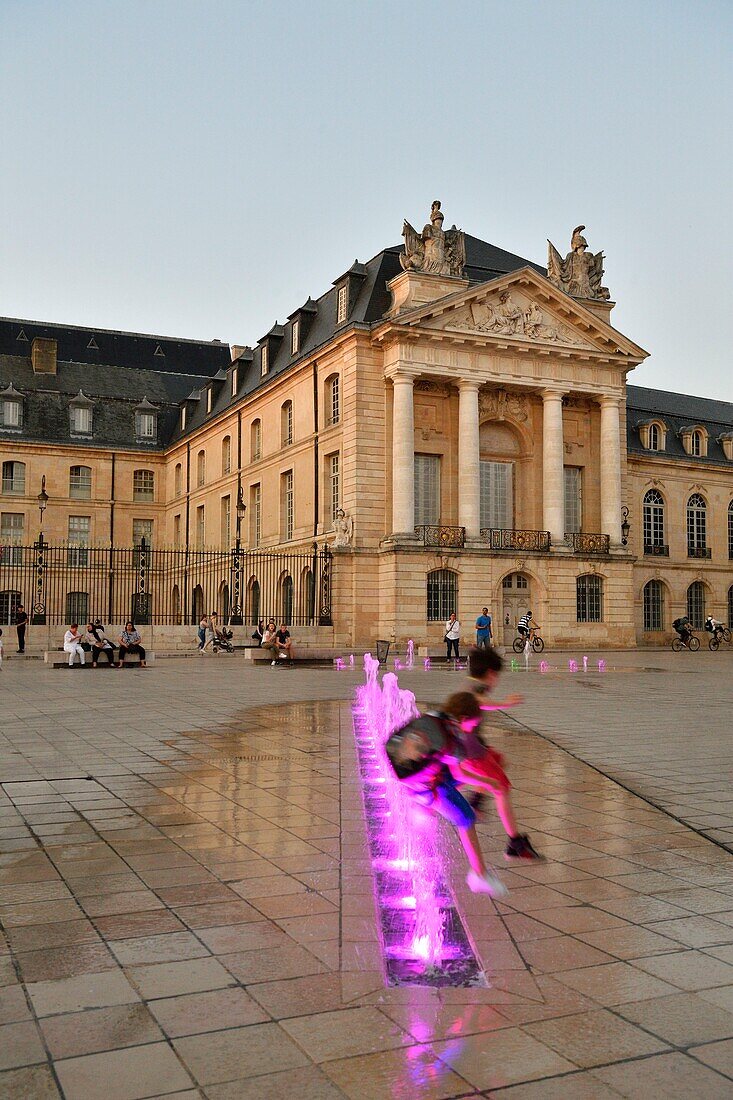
72, 644
130, 643
284, 643
101, 645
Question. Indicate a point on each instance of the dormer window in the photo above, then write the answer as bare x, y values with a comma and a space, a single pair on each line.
264, 357
183, 419
653, 437
342, 304
146, 422
726, 442
209, 399
80, 415
696, 444
695, 441
235, 381
295, 338
11, 408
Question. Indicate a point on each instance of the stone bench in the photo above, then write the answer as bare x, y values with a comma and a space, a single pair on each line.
259, 655
57, 658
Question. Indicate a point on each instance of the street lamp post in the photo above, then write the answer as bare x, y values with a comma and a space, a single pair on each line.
625, 527
237, 611
39, 600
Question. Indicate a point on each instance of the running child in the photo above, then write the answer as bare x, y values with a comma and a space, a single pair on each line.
484, 667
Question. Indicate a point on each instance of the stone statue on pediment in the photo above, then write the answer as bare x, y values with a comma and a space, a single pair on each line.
580, 274
435, 251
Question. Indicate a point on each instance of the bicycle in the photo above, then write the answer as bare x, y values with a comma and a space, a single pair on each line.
534, 640
722, 634
692, 643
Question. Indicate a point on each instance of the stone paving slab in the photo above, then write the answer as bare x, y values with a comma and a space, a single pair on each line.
187, 907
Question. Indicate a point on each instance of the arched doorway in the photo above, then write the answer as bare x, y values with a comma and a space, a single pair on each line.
223, 601
197, 609
516, 593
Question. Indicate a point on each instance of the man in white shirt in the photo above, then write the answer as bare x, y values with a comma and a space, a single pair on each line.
72, 644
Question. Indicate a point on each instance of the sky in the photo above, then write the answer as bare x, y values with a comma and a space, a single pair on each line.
198, 168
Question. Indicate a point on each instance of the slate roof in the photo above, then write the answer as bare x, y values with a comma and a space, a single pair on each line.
677, 410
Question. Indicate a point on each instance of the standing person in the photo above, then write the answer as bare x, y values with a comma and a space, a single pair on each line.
484, 669
101, 645
21, 622
452, 635
130, 643
203, 627
72, 644
483, 629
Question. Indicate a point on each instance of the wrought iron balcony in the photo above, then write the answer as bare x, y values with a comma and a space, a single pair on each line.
587, 542
437, 534
657, 550
699, 552
499, 539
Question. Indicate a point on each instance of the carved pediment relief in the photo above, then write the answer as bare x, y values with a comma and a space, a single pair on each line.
514, 314
498, 404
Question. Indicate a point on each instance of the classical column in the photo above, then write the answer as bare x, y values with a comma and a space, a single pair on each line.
553, 483
610, 469
403, 455
469, 488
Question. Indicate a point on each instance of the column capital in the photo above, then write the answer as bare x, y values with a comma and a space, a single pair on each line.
551, 394
609, 400
399, 373
468, 384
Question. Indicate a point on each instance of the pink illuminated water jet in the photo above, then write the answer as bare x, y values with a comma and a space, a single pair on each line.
572, 665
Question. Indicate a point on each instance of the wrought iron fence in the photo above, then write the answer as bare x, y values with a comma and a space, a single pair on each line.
699, 552
437, 534
587, 542
59, 584
499, 539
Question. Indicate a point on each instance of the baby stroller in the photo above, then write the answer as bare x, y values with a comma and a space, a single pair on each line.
223, 640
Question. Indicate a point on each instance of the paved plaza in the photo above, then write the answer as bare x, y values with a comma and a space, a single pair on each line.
188, 909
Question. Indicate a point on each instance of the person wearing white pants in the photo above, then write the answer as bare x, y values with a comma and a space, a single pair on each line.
72, 644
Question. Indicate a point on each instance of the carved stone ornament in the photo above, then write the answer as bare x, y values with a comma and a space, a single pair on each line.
343, 527
509, 316
427, 385
498, 405
580, 274
435, 251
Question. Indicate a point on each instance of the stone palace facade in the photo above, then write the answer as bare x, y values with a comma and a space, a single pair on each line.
454, 420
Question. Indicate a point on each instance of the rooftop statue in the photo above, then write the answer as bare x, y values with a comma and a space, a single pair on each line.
435, 251
581, 272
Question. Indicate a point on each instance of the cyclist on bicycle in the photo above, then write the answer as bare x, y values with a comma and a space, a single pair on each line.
526, 626
714, 627
682, 626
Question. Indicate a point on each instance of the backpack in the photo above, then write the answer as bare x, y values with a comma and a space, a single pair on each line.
419, 744
678, 623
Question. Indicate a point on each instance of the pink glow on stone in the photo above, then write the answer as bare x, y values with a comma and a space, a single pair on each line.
601, 665
426, 664
572, 665
544, 666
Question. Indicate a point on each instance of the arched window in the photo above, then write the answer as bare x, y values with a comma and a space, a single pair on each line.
253, 601
143, 485
176, 605
730, 606
256, 441
77, 608
14, 478
178, 480
197, 604
653, 605
696, 443
307, 595
653, 437
442, 594
696, 604
287, 600
589, 598
730, 532
332, 403
286, 423
80, 482
653, 521
696, 526
201, 468
226, 454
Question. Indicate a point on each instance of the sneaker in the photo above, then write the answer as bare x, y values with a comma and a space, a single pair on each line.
488, 883
519, 847
272, 664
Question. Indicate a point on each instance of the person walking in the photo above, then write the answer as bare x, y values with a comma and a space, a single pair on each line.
72, 644
203, 627
452, 636
483, 629
130, 640
21, 622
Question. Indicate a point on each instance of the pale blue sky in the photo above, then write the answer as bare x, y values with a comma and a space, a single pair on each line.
199, 168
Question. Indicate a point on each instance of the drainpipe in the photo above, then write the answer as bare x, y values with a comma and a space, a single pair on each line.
316, 503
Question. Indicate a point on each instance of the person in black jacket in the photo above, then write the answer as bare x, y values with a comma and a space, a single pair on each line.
101, 645
21, 622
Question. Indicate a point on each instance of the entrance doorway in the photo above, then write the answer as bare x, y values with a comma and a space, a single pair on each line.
516, 599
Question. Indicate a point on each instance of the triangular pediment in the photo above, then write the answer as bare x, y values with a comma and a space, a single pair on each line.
524, 309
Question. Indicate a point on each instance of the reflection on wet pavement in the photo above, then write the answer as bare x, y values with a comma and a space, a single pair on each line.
199, 919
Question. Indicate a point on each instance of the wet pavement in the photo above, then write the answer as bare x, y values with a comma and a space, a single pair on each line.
188, 906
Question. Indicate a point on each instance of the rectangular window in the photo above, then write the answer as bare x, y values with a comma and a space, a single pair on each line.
287, 423
200, 527
333, 491
79, 531
256, 440
255, 502
226, 520
80, 482
287, 507
12, 526
81, 420
143, 485
295, 338
226, 455
264, 360
14, 478
176, 530
497, 495
589, 593
343, 304
145, 425
235, 381
77, 607
142, 529
12, 414
427, 489
573, 499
